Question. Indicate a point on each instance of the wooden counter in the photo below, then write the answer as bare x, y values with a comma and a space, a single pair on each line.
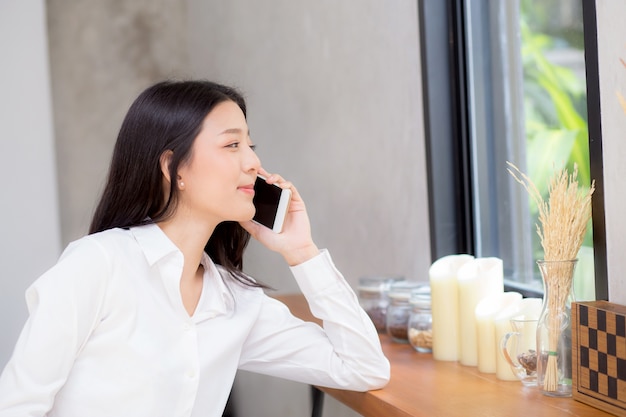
421, 386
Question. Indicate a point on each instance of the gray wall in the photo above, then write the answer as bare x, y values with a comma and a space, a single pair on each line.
102, 54
334, 104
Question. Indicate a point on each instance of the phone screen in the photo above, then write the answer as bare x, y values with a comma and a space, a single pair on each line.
266, 200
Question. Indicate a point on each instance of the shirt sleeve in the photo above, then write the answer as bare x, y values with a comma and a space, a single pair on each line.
345, 353
64, 305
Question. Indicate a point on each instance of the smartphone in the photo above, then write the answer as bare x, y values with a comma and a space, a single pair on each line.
272, 203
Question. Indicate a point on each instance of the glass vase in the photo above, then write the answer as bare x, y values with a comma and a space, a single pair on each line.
554, 328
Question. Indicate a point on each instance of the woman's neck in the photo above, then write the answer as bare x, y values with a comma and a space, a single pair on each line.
190, 236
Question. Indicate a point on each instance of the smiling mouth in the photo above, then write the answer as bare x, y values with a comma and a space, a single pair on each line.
248, 189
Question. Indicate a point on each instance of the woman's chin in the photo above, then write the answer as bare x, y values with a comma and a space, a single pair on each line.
246, 216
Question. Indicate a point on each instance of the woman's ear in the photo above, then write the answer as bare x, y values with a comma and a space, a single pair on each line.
164, 161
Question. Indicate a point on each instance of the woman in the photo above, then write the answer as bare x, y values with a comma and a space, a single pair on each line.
151, 314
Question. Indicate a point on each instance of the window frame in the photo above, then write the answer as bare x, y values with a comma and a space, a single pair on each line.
447, 134
596, 165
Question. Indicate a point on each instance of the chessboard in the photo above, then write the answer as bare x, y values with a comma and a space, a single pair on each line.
599, 355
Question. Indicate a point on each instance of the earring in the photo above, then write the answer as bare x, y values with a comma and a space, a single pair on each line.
182, 184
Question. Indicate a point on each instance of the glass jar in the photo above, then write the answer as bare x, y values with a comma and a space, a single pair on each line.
373, 298
420, 326
399, 309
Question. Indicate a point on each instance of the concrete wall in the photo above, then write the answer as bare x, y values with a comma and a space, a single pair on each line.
335, 105
103, 53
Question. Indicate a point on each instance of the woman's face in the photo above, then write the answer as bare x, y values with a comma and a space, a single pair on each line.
219, 177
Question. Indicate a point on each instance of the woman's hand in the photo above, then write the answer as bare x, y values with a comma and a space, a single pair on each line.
294, 243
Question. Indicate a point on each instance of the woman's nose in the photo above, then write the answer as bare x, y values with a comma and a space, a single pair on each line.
251, 160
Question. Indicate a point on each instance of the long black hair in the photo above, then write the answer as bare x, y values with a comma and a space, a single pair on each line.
165, 117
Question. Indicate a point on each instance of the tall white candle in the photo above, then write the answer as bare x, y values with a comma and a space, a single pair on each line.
486, 310
444, 305
477, 279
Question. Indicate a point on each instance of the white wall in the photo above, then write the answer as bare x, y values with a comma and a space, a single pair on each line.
30, 233
612, 47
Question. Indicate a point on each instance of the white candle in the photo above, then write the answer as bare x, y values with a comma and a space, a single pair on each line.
477, 279
486, 310
530, 310
444, 305
502, 326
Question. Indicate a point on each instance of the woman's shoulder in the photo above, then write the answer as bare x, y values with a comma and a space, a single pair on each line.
98, 251
98, 243
109, 236
84, 265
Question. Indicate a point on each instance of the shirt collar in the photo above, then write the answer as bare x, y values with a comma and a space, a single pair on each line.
154, 242
216, 299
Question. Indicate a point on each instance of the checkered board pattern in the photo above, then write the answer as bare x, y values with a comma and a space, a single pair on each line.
599, 355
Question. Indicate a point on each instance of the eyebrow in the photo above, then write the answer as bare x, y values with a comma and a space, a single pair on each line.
233, 130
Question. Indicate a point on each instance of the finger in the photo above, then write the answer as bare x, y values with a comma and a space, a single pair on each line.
269, 177
276, 179
263, 172
280, 181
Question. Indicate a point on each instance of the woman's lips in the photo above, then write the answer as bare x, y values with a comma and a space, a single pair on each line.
248, 189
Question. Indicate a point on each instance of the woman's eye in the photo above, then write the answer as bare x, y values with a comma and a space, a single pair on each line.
235, 145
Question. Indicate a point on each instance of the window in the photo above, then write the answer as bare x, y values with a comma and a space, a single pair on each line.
515, 90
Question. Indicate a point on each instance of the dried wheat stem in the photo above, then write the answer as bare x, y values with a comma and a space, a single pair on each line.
563, 221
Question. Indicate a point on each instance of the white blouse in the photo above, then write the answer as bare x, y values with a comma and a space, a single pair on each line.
108, 335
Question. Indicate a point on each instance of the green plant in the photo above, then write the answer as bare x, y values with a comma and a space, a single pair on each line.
556, 126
